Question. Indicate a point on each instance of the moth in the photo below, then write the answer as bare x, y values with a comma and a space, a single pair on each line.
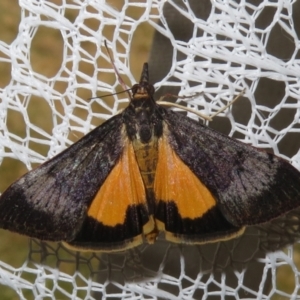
149, 170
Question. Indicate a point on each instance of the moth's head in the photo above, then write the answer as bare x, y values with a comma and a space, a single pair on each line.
143, 89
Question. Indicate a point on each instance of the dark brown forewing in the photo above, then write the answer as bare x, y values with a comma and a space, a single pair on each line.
250, 186
50, 202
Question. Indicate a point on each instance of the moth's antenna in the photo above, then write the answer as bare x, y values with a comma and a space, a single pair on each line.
205, 117
107, 95
229, 104
202, 116
122, 83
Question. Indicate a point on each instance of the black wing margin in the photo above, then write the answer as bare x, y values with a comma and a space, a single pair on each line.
50, 202
250, 186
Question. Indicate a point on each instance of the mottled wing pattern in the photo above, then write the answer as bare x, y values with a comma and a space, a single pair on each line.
51, 201
250, 186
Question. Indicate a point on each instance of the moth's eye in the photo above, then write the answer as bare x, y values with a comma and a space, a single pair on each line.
134, 88
151, 89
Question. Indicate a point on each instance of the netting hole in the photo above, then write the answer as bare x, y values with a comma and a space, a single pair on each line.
202, 11
283, 117
279, 37
198, 294
71, 13
43, 49
10, 16
15, 122
135, 12
241, 110
285, 279
90, 25
168, 287
289, 144
269, 92
112, 288
221, 124
97, 295
265, 17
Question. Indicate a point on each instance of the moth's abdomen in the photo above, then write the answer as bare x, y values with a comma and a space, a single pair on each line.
147, 156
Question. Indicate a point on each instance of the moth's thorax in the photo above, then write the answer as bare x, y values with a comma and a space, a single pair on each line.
143, 120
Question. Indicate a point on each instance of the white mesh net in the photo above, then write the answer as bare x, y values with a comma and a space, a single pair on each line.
52, 61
